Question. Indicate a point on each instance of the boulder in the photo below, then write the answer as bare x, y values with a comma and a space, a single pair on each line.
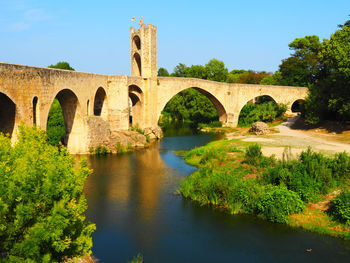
259, 128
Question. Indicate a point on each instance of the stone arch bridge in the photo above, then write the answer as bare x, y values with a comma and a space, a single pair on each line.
96, 103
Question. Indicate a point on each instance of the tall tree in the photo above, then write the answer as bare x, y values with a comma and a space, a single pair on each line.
162, 72
302, 67
329, 97
216, 70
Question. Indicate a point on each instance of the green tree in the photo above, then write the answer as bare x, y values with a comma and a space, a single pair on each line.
191, 105
162, 72
42, 203
329, 98
274, 79
179, 71
302, 67
196, 71
216, 70
61, 65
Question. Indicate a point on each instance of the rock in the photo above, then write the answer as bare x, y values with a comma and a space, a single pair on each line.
259, 128
154, 133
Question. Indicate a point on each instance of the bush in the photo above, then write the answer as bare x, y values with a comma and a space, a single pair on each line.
266, 112
253, 154
341, 208
278, 202
41, 201
311, 175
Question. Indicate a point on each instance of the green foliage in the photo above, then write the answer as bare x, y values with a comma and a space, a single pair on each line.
253, 154
62, 65
41, 201
216, 70
162, 72
341, 207
101, 150
265, 111
325, 69
137, 259
302, 67
274, 79
55, 127
277, 203
311, 175
191, 105
284, 188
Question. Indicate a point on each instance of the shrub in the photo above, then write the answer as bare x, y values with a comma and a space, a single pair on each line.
341, 207
41, 201
265, 111
311, 175
101, 150
253, 154
278, 202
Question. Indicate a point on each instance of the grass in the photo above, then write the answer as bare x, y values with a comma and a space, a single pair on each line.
230, 177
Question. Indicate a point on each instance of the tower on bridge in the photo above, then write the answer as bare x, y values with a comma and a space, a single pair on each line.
143, 51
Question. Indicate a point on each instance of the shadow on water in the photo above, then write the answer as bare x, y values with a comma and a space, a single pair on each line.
132, 200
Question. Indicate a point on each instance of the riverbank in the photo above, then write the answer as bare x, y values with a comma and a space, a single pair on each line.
226, 179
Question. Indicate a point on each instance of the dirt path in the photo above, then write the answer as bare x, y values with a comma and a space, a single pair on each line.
297, 140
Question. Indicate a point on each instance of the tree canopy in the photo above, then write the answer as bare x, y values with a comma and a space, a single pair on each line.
61, 65
42, 203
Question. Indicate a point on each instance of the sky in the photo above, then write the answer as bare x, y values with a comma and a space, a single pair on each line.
93, 36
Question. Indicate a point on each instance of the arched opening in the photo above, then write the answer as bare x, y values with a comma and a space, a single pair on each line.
296, 106
88, 108
100, 103
137, 64
7, 114
137, 42
189, 109
62, 117
35, 111
135, 105
262, 108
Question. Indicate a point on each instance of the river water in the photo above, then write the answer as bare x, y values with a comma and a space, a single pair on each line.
133, 202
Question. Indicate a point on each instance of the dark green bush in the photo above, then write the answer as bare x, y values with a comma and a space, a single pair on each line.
266, 112
278, 202
311, 175
341, 207
253, 154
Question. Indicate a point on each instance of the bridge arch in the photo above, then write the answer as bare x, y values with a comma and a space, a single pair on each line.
73, 120
222, 113
8, 111
296, 105
101, 103
135, 109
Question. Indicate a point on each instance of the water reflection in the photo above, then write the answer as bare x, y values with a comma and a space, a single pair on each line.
131, 199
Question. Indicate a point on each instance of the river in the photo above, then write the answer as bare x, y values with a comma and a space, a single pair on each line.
133, 202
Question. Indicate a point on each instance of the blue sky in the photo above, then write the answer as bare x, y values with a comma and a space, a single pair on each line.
93, 36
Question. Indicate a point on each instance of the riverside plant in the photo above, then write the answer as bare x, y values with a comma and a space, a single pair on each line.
271, 189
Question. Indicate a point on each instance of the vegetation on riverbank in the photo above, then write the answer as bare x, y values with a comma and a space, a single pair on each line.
282, 191
42, 203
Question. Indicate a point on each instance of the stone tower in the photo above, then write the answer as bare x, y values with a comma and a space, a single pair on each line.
143, 51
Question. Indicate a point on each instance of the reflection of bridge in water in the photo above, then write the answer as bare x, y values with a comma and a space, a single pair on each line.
26, 94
